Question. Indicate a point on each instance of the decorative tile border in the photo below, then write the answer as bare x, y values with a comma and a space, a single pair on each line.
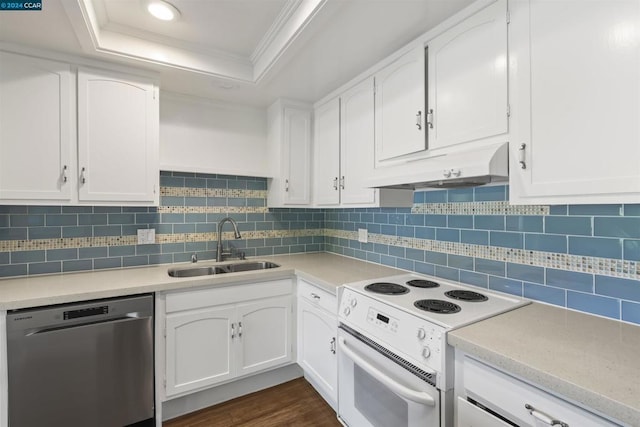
213, 209
478, 208
212, 192
88, 242
577, 263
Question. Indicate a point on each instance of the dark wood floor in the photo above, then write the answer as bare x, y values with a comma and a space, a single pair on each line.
294, 403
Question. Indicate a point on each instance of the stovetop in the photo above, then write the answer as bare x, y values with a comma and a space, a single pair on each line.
443, 302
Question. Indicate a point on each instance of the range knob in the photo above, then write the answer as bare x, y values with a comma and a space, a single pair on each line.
353, 302
346, 311
426, 352
421, 334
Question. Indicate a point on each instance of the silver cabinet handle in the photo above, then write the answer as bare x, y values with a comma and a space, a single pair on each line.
83, 179
64, 173
332, 345
430, 118
315, 296
286, 185
446, 173
335, 183
541, 416
419, 120
239, 329
521, 156
342, 182
456, 172
233, 330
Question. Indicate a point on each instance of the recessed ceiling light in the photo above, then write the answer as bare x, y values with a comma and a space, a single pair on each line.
163, 10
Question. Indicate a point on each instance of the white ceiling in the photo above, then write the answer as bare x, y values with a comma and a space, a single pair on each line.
242, 51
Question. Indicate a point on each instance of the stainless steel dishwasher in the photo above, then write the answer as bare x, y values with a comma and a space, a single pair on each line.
84, 364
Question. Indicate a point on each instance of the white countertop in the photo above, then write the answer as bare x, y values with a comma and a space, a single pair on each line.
323, 269
591, 360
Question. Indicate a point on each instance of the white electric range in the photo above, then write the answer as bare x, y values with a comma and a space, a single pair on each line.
395, 367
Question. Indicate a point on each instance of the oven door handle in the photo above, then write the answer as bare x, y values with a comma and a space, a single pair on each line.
413, 395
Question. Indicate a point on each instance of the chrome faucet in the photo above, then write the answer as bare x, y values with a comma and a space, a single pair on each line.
219, 254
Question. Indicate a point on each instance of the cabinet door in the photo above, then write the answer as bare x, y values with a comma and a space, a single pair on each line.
326, 154
317, 347
297, 150
36, 129
117, 137
357, 144
399, 103
264, 329
467, 79
198, 349
576, 102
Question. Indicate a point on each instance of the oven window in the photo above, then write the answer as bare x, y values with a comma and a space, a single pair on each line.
376, 403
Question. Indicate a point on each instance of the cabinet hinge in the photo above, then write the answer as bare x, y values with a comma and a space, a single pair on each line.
508, 110
508, 17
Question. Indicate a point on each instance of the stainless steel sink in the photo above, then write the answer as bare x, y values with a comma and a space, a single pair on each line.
195, 271
221, 269
249, 266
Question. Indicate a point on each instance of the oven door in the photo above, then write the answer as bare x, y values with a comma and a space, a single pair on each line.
374, 390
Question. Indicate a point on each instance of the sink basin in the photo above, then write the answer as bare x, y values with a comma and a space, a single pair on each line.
249, 266
195, 271
220, 269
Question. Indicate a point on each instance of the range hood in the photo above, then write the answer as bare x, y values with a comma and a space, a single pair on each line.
464, 168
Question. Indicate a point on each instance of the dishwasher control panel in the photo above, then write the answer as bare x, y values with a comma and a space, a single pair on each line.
86, 312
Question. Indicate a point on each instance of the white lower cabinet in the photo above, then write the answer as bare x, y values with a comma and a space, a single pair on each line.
218, 334
317, 328
493, 398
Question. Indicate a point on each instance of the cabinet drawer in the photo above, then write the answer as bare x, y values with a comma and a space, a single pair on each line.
317, 296
521, 402
471, 416
210, 297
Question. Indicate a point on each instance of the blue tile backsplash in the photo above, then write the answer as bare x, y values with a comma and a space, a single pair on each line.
584, 257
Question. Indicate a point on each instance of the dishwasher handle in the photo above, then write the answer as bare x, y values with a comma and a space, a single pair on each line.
129, 317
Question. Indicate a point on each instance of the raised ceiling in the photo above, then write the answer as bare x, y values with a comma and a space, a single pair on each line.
241, 51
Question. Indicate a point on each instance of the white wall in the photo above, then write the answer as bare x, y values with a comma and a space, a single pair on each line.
198, 135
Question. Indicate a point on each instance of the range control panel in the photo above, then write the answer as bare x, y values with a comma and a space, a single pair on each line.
409, 336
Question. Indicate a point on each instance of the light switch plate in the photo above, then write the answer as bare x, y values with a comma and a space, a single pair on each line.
146, 236
362, 235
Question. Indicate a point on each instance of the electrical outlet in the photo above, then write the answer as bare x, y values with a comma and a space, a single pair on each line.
362, 235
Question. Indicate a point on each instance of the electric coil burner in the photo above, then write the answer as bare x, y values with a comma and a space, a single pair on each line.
437, 306
464, 295
386, 288
422, 283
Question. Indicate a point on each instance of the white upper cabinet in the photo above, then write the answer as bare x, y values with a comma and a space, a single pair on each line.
467, 80
37, 132
326, 154
576, 102
118, 152
289, 144
110, 157
399, 103
357, 145
344, 152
